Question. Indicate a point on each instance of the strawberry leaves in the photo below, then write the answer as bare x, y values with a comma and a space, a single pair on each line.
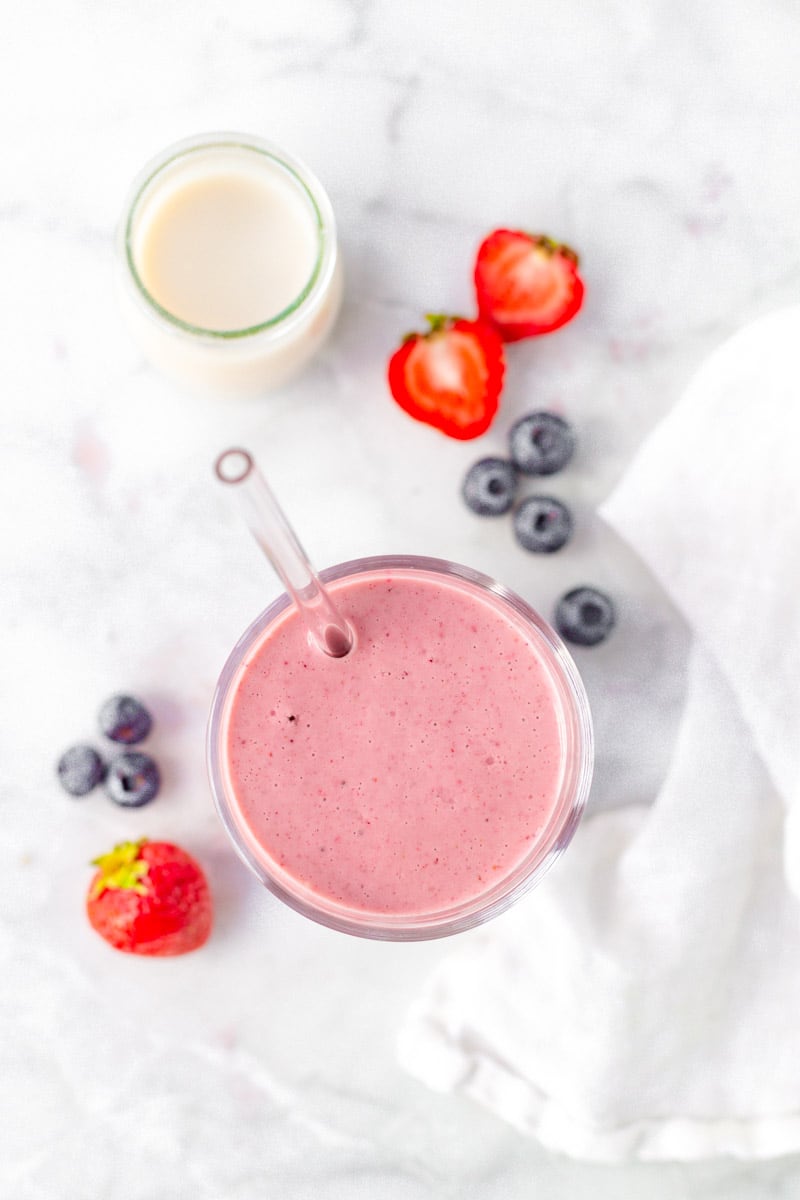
121, 868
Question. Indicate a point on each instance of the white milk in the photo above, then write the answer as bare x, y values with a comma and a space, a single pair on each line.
231, 277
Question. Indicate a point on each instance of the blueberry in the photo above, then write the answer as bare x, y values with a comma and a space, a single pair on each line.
80, 769
585, 616
541, 443
542, 524
489, 487
133, 779
124, 719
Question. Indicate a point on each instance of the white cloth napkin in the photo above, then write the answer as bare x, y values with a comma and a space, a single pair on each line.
645, 1001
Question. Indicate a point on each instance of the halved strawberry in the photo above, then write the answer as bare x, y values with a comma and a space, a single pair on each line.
526, 283
450, 376
150, 898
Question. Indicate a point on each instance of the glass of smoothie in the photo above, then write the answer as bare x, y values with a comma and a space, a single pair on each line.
424, 781
229, 271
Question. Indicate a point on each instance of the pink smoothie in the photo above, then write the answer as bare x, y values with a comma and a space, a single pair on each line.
412, 775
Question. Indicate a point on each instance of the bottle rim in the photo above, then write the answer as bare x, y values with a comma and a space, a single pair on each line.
300, 177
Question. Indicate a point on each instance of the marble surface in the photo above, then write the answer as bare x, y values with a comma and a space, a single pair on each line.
656, 138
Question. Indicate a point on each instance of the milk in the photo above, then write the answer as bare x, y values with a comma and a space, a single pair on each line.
231, 278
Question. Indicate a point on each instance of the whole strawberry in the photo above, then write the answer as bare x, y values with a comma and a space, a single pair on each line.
450, 376
526, 283
150, 898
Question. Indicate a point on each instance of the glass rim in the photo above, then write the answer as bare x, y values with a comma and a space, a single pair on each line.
300, 176
464, 915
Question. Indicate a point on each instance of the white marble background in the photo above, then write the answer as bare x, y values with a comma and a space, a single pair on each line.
659, 138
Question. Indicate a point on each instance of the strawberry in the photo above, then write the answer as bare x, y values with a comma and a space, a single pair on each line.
450, 376
150, 898
526, 283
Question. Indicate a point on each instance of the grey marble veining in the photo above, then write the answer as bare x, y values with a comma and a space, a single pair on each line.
657, 139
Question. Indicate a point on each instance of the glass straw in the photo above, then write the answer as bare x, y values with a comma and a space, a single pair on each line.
327, 628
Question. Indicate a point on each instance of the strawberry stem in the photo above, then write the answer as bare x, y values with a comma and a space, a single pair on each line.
552, 247
439, 322
121, 869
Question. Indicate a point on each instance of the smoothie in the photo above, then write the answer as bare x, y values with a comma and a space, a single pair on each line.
428, 771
